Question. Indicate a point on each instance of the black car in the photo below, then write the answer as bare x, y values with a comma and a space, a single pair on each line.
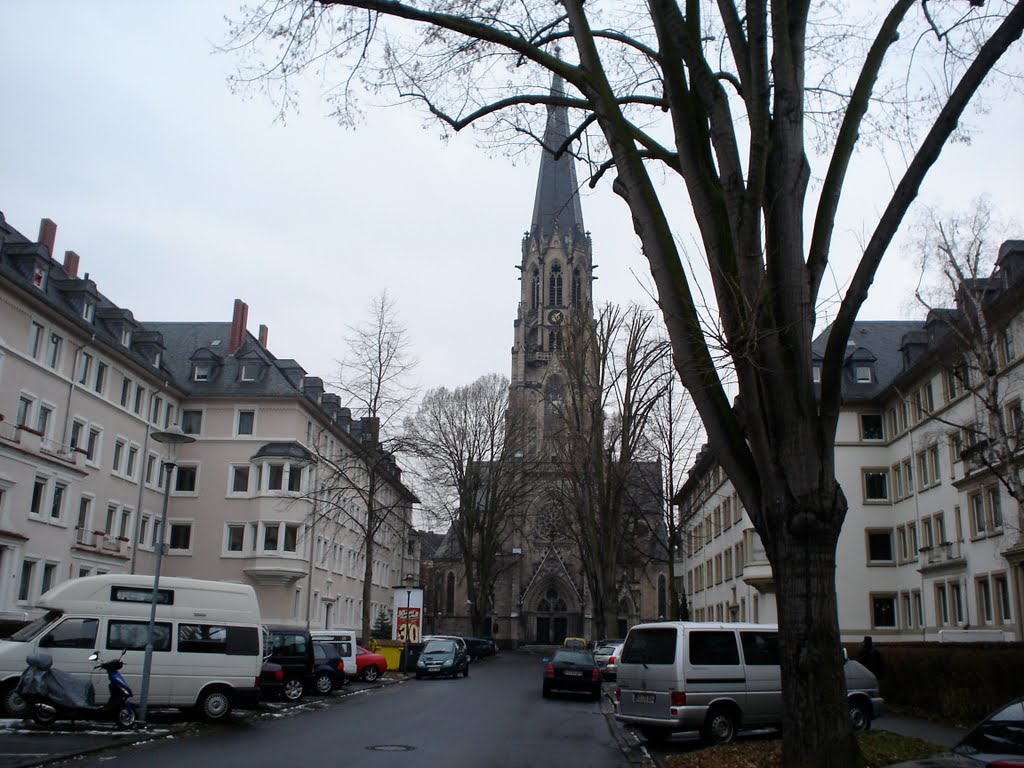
329, 667
479, 647
292, 649
571, 670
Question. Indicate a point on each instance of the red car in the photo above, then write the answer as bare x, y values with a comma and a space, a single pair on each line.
369, 665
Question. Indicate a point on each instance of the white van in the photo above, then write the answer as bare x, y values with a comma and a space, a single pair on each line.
345, 642
714, 678
207, 652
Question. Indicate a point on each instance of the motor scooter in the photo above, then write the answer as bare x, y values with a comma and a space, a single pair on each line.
53, 694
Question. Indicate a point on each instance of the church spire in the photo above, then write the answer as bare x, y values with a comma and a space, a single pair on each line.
557, 204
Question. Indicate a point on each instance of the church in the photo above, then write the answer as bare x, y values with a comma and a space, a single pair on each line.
541, 595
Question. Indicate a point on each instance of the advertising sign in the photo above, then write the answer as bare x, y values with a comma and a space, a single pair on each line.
408, 613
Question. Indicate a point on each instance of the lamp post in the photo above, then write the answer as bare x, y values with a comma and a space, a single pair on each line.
408, 579
171, 438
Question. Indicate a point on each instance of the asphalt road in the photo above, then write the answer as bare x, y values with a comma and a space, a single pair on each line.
495, 718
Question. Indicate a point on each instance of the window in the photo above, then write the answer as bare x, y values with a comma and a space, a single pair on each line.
985, 600
952, 383
28, 568
995, 507
150, 469
84, 367
57, 502
235, 538
132, 635
49, 571
140, 396
144, 531
24, 410
240, 478
577, 287
118, 454
1006, 345
72, 633
35, 340
126, 336
53, 350
291, 537
43, 419
958, 604
876, 485
941, 605
249, 371
185, 478
871, 426
275, 477
180, 536
535, 289
126, 391
210, 638
555, 286
246, 420
863, 373
270, 536
156, 403
880, 546
82, 527
1002, 588
38, 492
191, 422
201, 372
883, 611
294, 478
129, 467
713, 648
101, 377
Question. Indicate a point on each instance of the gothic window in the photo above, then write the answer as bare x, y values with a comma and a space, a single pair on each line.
535, 289
554, 341
548, 528
449, 595
551, 603
555, 286
552, 405
577, 287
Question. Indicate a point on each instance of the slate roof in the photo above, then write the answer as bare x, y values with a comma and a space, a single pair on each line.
878, 343
557, 202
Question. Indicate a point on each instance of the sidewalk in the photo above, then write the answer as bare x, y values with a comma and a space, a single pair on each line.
937, 733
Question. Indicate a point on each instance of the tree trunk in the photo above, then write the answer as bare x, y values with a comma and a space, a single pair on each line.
816, 720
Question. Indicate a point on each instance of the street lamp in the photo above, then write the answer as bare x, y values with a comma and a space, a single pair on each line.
171, 438
409, 581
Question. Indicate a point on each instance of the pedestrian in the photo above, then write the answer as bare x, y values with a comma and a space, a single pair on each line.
871, 658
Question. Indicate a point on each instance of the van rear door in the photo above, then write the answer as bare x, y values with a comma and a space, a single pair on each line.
648, 671
764, 677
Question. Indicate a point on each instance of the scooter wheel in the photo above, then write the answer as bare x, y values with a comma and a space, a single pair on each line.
43, 714
126, 716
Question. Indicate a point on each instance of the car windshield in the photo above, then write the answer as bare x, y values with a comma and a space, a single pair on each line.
438, 647
29, 631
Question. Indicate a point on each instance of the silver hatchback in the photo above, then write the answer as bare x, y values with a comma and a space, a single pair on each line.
607, 658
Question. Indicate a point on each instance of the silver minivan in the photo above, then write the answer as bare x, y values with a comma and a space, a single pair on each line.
714, 678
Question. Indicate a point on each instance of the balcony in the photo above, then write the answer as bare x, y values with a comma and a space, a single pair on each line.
275, 571
537, 357
942, 558
759, 576
28, 441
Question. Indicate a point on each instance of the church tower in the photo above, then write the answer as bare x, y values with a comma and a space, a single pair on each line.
556, 277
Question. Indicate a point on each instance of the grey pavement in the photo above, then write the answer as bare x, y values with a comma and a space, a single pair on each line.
937, 733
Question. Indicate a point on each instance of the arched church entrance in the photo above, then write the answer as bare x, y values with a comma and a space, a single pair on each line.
552, 618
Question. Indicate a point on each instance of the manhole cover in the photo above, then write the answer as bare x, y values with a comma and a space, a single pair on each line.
391, 748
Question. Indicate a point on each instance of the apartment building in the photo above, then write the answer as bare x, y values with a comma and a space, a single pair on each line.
931, 542
83, 385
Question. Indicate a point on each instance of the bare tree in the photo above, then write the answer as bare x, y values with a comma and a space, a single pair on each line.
956, 263
611, 381
726, 97
475, 480
375, 380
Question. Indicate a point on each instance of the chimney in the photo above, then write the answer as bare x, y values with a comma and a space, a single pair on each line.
238, 318
48, 234
264, 331
71, 263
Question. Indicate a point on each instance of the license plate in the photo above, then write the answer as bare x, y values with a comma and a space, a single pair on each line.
573, 673
643, 698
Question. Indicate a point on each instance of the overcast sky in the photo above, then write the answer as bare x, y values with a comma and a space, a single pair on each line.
116, 121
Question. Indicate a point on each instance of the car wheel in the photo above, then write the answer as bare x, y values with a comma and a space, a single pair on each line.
214, 705
371, 673
13, 704
43, 714
324, 684
294, 689
719, 726
655, 735
860, 715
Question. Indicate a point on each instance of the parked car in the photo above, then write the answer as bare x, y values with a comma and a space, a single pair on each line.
344, 642
330, 667
442, 657
606, 641
370, 665
271, 681
572, 670
998, 740
292, 649
479, 647
607, 658
575, 643
459, 641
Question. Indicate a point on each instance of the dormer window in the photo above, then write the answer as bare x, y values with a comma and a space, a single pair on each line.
863, 374
202, 372
126, 336
250, 371
39, 277
89, 310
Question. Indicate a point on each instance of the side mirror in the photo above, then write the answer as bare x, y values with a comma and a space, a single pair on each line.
846, 655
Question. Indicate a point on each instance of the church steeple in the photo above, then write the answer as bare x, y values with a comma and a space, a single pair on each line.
557, 203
